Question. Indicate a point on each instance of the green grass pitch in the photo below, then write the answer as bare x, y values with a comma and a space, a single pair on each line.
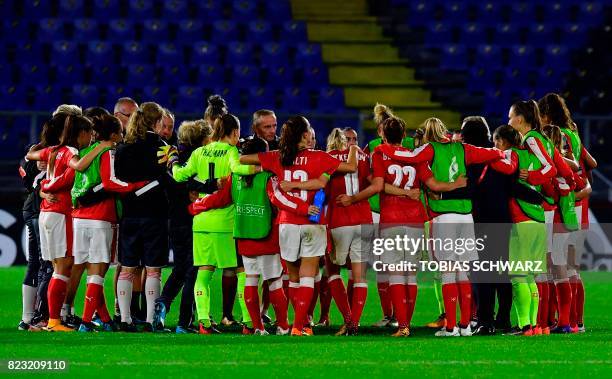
372, 353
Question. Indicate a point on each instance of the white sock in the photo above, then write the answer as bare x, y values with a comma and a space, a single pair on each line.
124, 295
28, 295
152, 291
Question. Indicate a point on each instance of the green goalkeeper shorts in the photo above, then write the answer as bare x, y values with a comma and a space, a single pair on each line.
527, 248
214, 249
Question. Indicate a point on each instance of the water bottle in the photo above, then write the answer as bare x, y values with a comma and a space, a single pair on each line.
319, 199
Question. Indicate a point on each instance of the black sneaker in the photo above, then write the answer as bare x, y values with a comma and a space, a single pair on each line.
483, 330
72, 321
38, 318
23, 325
147, 327
129, 328
117, 318
266, 319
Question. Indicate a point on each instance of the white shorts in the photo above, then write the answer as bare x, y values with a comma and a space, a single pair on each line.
549, 219
580, 239
559, 250
267, 266
302, 241
448, 231
574, 235
55, 235
93, 240
354, 241
398, 255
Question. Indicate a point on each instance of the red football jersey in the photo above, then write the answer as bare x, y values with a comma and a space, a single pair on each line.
308, 164
59, 179
349, 184
400, 209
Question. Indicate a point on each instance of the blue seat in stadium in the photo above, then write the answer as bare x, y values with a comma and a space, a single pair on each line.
314, 76
421, 12
134, 53
239, 53
99, 52
85, 30
33, 73
489, 12
259, 31
103, 74
106, 9
121, 30
205, 53
473, 34
66, 74
189, 99
224, 31
516, 75
139, 75
50, 29
506, 34
496, 102
559, 11
489, 56
13, 97
190, 31
116, 91
295, 99
308, 54
154, 31
551, 78
6, 73
244, 10
591, 13
521, 56
522, 13
169, 53
557, 55
65, 53
158, 94
17, 28
261, 98
437, 34
455, 10
141, 9
330, 99
481, 78
209, 10
453, 57
176, 9
47, 97
6, 7
71, 9
36, 9
245, 76
231, 96
574, 35
294, 32
277, 10
172, 72
279, 75
85, 95
273, 53
27, 52
210, 75
541, 34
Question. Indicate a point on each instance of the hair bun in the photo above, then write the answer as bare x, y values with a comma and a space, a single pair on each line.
216, 101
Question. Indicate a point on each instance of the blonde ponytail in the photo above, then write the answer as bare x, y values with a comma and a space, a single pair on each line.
336, 140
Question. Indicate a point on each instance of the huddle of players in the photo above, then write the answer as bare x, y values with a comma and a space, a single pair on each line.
252, 214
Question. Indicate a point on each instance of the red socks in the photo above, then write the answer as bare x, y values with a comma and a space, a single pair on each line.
399, 299
450, 293
279, 303
229, 286
552, 303
465, 302
292, 291
303, 298
102, 309
315, 295
336, 287
325, 298
56, 294
543, 305
93, 295
579, 301
360, 293
573, 314
251, 299
564, 301
385, 298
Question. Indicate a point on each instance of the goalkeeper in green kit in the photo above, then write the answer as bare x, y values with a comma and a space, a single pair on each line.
213, 242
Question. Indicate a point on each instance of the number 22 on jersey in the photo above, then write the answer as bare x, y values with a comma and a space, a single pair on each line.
401, 173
